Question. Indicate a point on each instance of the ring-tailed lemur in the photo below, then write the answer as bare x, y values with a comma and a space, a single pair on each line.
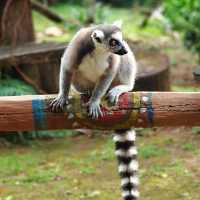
99, 62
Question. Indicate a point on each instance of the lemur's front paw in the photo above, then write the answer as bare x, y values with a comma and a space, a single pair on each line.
113, 95
94, 109
57, 105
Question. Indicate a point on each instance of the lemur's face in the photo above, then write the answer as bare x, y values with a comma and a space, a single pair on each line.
109, 38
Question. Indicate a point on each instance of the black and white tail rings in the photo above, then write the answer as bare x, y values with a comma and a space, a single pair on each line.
126, 153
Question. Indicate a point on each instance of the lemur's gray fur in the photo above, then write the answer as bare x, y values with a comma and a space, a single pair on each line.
99, 62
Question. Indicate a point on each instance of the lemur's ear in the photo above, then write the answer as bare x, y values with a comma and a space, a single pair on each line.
118, 23
97, 35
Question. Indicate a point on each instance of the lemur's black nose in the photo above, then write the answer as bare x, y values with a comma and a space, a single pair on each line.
121, 51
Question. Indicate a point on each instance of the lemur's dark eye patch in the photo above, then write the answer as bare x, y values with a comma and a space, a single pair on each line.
114, 42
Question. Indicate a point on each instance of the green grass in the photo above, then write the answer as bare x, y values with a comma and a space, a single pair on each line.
40, 176
25, 167
16, 163
106, 153
85, 168
163, 171
188, 146
151, 150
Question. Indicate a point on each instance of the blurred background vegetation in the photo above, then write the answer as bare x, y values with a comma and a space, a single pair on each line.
65, 164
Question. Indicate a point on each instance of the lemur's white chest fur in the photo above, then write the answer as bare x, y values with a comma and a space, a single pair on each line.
94, 65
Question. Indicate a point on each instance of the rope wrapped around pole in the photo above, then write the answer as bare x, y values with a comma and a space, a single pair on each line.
136, 109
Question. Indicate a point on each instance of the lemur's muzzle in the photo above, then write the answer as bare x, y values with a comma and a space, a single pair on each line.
121, 51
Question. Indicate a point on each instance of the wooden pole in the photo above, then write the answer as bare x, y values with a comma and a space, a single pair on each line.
137, 109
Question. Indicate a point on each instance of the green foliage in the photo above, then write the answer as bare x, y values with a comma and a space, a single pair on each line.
148, 3
104, 13
112, 2
101, 13
119, 3
184, 15
12, 87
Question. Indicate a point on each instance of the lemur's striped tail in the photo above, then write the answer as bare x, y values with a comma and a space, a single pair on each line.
126, 153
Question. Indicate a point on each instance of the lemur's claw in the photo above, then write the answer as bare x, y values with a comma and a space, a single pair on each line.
95, 110
113, 95
58, 104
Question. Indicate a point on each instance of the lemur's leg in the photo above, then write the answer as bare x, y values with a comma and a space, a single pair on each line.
78, 48
98, 92
126, 76
126, 153
66, 72
101, 87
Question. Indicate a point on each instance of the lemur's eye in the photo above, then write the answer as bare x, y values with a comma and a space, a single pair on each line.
113, 42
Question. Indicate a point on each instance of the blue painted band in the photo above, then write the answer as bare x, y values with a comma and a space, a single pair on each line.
39, 114
150, 110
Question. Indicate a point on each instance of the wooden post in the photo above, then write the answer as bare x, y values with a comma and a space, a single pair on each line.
137, 109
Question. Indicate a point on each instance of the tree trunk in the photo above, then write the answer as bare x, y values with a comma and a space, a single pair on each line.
15, 22
16, 28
